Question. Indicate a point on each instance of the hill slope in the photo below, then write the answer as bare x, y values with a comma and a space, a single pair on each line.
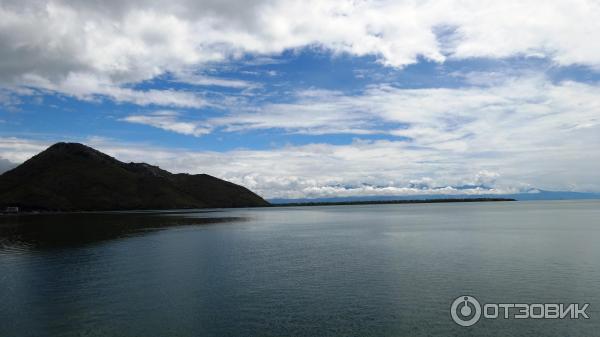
73, 177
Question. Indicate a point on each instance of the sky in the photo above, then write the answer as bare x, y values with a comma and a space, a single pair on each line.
307, 99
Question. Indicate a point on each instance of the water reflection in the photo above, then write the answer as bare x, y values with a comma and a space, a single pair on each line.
23, 232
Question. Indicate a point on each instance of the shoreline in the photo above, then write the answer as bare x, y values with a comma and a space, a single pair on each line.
391, 202
294, 204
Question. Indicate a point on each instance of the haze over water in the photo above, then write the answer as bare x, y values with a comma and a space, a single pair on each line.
374, 270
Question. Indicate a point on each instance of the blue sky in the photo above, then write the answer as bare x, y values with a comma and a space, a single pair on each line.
352, 98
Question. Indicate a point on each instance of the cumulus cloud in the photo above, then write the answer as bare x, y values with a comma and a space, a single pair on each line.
57, 44
365, 167
381, 167
507, 134
168, 120
513, 134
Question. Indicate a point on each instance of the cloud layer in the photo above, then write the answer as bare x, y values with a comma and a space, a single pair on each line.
168, 120
523, 130
489, 133
501, 151
91, 48
519, 133
518, 113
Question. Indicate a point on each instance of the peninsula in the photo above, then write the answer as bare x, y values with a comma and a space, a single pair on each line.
75, 177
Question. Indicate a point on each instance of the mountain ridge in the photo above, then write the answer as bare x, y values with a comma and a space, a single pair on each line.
76, 177
524, 196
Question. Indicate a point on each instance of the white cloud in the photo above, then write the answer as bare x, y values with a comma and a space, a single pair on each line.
204, 80
17, 150
516, 112
10, 100
516, 133
89, 87
106, 45
511, 133
169, 120
311, 112
380, 167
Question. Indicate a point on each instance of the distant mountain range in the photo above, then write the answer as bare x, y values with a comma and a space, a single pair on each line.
534, 195
75, 177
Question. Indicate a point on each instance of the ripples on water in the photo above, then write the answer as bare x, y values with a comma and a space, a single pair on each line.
381, 270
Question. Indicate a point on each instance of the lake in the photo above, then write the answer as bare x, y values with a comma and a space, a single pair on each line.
368, 270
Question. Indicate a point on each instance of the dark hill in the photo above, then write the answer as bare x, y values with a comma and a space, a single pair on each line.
74, 177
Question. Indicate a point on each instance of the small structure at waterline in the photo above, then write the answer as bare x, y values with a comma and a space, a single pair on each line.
12, 209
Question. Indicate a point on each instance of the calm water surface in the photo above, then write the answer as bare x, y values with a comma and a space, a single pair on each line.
380, 270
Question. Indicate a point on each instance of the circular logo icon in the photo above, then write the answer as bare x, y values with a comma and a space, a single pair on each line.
465, 310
